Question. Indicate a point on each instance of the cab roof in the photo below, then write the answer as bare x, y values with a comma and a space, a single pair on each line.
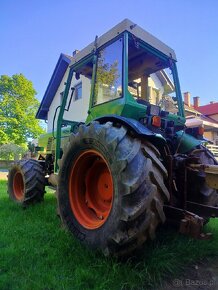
129, 26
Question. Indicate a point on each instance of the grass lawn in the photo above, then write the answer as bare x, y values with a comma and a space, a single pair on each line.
37, 253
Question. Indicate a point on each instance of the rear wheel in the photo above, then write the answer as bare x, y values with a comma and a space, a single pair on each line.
26, 182
111, 189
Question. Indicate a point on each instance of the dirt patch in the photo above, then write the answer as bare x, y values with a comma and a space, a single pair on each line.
200, 276
3, 175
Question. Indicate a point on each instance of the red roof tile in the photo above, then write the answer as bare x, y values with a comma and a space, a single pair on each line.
210, 109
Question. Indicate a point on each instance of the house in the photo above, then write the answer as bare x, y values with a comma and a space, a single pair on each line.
54, 93
209, 110
206, 116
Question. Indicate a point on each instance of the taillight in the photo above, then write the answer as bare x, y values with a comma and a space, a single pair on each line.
156, 121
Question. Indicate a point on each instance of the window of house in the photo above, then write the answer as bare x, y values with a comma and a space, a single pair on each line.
82, 74
78, 92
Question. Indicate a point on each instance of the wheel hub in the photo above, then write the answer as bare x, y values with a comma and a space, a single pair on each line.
91, 189
18, 186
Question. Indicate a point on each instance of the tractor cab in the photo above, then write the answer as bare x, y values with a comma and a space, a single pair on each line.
130, 77
132, 74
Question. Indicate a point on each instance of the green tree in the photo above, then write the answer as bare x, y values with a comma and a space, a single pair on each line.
107, 78
107, 73
11, 151
18, 106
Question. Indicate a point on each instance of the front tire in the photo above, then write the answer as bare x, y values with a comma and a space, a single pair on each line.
26, 182
111, 189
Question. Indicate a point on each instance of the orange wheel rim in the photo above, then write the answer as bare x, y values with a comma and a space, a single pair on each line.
18, 186
91, 189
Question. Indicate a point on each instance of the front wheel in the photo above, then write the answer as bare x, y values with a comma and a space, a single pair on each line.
111, 189
26, 182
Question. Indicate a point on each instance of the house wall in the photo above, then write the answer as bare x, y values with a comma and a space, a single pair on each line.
55, 103
215, 117
209, 135
212, 136
188, 114
156, 89
78, 109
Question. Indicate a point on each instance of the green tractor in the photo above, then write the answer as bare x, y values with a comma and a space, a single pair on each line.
128, 164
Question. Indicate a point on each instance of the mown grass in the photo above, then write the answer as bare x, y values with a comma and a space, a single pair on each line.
37, 253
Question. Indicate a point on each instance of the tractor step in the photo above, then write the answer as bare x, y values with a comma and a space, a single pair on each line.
189, 222
202, 209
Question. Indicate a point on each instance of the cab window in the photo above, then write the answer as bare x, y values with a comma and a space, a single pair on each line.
108, 85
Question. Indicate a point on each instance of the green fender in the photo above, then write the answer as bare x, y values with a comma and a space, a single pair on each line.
187, 142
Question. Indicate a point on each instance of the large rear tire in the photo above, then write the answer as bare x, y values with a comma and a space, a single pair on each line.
111, 189
26, 182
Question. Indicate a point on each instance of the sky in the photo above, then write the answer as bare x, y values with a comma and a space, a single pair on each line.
34, 33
